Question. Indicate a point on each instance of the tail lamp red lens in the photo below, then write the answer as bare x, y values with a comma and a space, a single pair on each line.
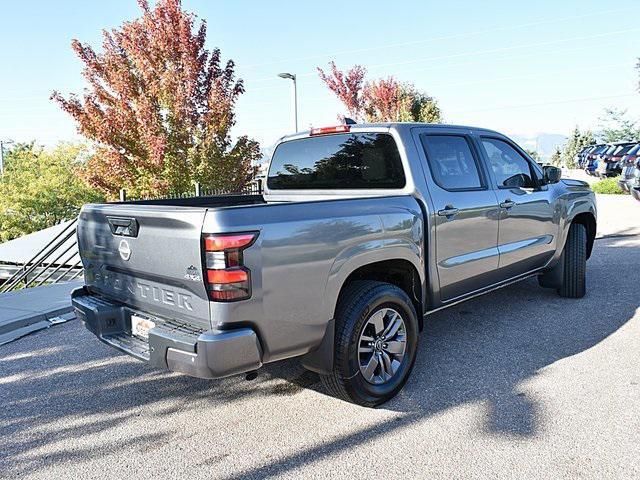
219, 243
228, 279
225, 277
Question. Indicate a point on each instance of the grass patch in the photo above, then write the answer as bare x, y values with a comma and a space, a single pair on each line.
608, 186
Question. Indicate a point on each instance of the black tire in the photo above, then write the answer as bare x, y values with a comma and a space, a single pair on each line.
356, 306
575, 263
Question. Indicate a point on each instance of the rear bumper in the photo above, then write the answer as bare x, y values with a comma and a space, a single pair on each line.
171, 345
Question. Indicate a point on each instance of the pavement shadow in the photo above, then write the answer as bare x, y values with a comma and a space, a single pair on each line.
92, 389
481, 350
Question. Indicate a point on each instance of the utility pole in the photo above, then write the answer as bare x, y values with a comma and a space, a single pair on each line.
292, 77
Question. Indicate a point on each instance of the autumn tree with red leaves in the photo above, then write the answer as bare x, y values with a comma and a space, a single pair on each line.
159, 108
347, 86
383, 100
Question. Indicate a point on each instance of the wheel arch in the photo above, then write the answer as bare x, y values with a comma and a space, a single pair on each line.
397, 271
589, 221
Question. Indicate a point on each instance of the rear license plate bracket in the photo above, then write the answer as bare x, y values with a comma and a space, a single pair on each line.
140, 326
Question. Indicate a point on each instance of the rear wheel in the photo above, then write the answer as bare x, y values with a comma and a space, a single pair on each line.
575, 263
375, 343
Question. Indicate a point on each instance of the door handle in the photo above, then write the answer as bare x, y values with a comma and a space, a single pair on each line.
507, 204
448, 211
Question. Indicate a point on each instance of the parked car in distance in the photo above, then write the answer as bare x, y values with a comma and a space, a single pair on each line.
633, 183
609, 161
619, 154
591, 161
362, 231
628, 167
581, 157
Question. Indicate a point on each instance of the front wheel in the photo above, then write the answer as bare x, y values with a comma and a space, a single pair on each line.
376, 338
575, 263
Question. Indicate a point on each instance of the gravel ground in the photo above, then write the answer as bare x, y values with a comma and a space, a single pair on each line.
517, 383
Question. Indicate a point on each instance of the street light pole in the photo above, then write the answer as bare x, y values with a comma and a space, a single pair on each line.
2, 144
292, 77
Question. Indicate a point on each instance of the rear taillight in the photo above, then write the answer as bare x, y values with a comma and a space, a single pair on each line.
227, 278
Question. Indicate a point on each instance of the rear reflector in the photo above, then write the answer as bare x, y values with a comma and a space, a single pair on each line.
330, 130
229, 293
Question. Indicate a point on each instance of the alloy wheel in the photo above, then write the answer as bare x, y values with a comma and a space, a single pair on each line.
382, 346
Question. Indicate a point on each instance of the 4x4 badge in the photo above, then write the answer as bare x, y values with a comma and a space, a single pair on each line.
193, 274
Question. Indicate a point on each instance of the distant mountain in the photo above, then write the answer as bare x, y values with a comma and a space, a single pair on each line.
543, 143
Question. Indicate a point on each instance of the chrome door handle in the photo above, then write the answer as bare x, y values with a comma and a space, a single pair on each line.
448, 211
507, 204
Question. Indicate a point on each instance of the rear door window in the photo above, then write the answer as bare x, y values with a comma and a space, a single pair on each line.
337, 162
452, 163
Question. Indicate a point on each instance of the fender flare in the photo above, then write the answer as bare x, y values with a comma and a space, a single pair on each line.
320, 360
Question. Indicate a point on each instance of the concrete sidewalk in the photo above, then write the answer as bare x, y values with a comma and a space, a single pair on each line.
617, 215
32, 309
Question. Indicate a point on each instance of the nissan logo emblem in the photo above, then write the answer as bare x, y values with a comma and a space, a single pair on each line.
124, 250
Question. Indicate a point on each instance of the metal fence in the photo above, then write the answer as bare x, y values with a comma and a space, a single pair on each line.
58, 261
254, 188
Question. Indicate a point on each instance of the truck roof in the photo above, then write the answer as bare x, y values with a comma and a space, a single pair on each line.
396, 125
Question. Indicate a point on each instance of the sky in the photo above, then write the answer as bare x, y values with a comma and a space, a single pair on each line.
522, 68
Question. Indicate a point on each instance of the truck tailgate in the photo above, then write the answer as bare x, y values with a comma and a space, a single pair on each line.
147, 257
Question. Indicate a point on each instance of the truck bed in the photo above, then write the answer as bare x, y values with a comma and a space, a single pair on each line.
212, 201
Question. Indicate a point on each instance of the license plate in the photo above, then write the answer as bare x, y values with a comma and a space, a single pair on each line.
140, 326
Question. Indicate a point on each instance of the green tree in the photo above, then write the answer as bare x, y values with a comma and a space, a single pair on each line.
616, 126
556, 158
577, 141
533, 154
41, 188
417, 106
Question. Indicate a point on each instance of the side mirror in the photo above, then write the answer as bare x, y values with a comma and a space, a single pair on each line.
551, 174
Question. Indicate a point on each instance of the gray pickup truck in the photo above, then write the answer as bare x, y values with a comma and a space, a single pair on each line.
362, 231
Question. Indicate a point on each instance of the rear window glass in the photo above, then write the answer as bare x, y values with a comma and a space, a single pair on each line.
610, 150
340, 162
624, 149
634, 149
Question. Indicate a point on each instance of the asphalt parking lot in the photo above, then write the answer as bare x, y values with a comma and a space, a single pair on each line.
517, 383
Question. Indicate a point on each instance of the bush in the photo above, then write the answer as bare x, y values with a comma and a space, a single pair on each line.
608, 186
40, 188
